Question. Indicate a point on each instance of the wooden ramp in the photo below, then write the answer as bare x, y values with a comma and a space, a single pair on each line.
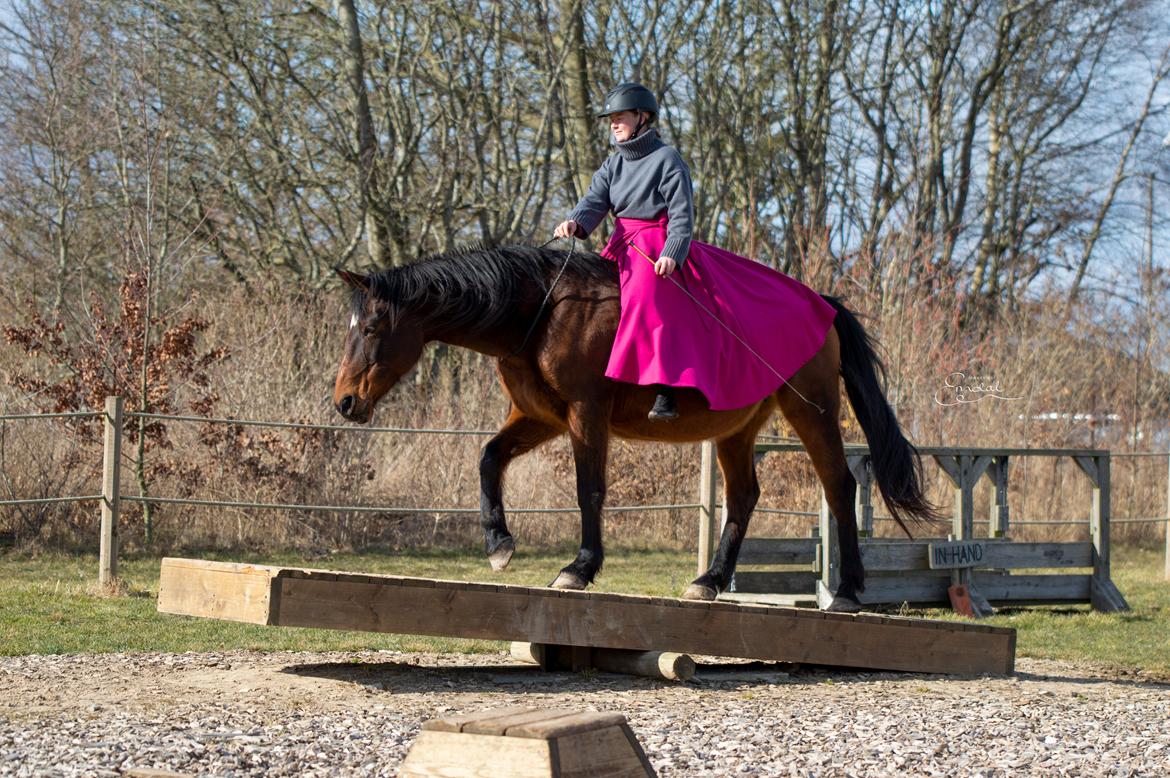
291, 597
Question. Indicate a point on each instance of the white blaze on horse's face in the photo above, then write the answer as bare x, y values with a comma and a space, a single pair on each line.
353, 321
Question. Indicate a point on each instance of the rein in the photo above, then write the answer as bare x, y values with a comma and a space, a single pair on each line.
544, 302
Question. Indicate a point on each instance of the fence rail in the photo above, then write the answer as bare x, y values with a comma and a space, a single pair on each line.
304, 425
114, 416
40, 416
377, 509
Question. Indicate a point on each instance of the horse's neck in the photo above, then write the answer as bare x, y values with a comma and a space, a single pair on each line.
501, 339
492, 343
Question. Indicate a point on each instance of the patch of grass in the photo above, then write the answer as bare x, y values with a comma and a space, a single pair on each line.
50, 604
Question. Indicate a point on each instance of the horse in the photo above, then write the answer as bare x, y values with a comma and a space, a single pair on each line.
549, 317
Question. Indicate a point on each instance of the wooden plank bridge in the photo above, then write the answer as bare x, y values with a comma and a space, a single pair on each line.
293, 597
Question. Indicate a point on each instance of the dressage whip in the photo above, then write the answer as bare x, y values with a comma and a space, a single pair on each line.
734, 334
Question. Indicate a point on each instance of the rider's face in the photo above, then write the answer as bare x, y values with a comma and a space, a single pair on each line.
622, 124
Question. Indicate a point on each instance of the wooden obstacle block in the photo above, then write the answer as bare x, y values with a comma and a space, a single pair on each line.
663, 665
527, 743
293, 597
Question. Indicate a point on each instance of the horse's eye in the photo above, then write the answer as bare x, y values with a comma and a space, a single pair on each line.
368, 330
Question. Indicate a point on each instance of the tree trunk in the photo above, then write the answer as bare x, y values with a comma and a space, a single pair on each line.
363, 126
581, 156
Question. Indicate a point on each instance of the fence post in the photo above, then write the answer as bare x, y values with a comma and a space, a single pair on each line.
111, 492
1103, 595
708, 492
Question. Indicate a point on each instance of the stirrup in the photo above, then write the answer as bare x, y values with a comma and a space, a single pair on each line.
665, 408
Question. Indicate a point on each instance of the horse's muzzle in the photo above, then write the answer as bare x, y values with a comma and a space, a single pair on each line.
353, 410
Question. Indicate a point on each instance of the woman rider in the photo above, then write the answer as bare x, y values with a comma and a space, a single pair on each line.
693, 315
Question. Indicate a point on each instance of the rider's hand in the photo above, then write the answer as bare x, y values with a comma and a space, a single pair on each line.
665, 266
566, 229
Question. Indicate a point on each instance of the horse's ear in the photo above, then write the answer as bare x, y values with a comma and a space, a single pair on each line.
355, 280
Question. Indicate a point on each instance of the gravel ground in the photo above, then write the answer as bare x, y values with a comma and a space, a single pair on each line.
243, 713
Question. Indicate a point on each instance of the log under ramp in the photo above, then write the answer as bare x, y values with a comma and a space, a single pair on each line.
293, 597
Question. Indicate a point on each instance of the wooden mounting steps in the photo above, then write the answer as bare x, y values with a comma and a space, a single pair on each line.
292, 597
527, 743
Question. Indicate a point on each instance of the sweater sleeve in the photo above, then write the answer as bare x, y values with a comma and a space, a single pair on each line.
680, 209
594, 205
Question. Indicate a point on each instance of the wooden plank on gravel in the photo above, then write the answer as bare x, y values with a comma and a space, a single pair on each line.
378, 603
457, 722
503, 725
612, 751
559, 726
436, 754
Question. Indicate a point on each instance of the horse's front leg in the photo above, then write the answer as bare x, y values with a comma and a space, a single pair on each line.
519, 435
589, 432
737, 463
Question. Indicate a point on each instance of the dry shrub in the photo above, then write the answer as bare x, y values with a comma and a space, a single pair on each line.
36, 463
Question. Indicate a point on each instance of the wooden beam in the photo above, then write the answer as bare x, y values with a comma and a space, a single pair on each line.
527, 742
913, 555
862, 469
998, 473
217, 590
419, 606
950, 451
111, 493
829, 558
1103, 594
663, 665
778, 551
787, 581
930, 588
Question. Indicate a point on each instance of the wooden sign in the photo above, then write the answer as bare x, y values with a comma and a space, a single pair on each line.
956, 553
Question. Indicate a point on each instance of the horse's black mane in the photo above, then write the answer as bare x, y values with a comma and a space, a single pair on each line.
476, 287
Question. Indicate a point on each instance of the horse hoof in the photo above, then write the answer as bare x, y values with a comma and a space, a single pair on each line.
568, 581
844, 605
500, 558
700, 592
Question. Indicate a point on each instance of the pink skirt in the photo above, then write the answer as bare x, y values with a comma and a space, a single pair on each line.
666, 337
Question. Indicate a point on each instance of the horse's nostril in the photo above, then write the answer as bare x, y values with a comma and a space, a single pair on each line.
346, 405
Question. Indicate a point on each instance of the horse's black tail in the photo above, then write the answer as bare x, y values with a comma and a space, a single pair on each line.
897, 466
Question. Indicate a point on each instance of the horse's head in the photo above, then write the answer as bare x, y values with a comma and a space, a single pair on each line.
381, 345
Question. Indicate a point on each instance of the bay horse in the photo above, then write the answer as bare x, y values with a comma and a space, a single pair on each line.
552, 356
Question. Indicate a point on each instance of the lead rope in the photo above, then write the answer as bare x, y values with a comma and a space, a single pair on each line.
544, 302
734, 334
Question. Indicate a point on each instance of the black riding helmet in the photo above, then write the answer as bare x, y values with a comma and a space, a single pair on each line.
629, 97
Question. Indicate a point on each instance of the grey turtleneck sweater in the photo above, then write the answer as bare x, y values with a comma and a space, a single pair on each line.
644, 178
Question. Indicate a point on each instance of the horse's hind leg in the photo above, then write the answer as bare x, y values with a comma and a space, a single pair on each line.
821, 435
737, 462
519, 435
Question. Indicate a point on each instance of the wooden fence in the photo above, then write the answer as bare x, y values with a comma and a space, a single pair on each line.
922, 571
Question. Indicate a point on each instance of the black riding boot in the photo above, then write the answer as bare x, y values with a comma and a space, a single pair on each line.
664, 408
